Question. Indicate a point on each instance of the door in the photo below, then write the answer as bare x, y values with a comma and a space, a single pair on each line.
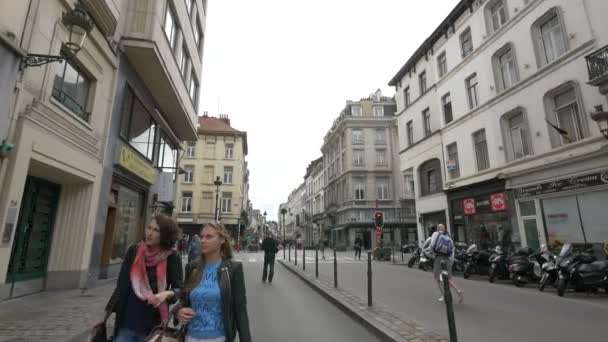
532, 234
108, 241
33, 236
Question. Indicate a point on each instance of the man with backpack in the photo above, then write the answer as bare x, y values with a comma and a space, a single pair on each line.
442, 248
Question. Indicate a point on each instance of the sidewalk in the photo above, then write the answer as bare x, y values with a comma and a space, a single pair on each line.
54, 316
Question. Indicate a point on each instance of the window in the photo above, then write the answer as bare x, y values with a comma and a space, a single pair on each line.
183, 63
430, 177
380, 136
226, 202
549, 37
170, 26
442, 64
481, 150
359, 188
188, 174
229, 151
137, 126
517, 136
472, 91
452, 164
199, 37
409, 127
194, 89
356, 111
409, 185
406, 97
191, 149
426, 122
422, 81
498, 14
357, 136
381, 158
208, 172
358, 158
228, 174
505, 68
378, 111
207, 205
446, 102
167, 157
567, 115
466, 42
189, 6
382, 189
186, 202
71, 87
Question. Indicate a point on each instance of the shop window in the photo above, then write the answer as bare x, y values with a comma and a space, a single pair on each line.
127, 229
562, 221
137, 126
71, 87
430, 177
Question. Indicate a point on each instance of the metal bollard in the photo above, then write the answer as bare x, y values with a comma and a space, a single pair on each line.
335, 269
393, 252
284, 250
289, 246
303, 258
402, 260
369, 279
447, 297
295, 253
317, 262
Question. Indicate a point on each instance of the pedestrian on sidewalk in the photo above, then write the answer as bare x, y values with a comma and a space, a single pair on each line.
214, 303
270, 246
442, 249
357, 247
323, 246
194, 250
150, 278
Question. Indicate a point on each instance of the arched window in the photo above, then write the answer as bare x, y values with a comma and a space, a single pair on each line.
430, 177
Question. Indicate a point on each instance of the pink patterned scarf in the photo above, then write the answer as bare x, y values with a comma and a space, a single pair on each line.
146, 257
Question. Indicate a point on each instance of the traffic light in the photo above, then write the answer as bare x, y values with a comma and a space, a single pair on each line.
379, 219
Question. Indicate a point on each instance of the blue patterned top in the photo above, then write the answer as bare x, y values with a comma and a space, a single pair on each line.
206, 301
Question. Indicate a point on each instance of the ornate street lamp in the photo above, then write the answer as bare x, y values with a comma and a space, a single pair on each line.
217, 184
601, 118
79, 24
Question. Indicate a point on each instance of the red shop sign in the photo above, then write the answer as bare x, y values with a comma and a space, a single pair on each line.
469, 206
499, 202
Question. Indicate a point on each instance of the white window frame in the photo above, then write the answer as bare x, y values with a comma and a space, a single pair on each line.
170, 29
229, 151
466, 36
409, 128
188, 174
358, 157
506, 72
380, 136
382, 192
478, 156
423, 82
378, 111
444, 103
228, 172
359, 190
226, 203
426, 122
191, 149
498, 14
186, 202
356, 111
575, 114
357, 135
407, 97
521, 129
452, 154
381, 159
540, 37
442, 64
472, 91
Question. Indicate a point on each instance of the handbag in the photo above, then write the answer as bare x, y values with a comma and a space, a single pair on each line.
99, 332
165, 333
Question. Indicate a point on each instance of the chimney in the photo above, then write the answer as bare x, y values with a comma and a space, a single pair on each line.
225, 118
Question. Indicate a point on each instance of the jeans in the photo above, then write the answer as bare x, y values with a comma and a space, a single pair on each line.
126, 335
268, 261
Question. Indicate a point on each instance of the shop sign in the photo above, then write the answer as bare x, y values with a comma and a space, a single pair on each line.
499, 202
136, 164
469, 206
573, 183
483, 203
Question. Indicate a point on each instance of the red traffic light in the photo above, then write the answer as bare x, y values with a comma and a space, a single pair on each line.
379, 219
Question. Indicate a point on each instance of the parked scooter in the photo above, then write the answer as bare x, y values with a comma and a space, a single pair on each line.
521, 266
460, 257
499, 266
415, 258
581, 272
477, 262
426, 261
548, 269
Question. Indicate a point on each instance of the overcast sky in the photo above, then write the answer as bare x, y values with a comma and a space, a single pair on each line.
283, 69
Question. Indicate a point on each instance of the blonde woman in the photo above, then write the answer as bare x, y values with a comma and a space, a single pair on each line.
214, 301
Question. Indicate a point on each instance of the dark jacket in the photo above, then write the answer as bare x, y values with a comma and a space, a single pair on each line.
270, 246
234, 299
118, 300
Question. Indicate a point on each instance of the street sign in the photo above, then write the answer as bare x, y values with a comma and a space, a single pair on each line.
378, 233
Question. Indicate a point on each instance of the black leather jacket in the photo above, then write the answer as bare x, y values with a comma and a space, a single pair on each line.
234, 300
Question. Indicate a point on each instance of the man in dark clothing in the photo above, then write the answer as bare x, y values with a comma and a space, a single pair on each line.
357, 247
270, 246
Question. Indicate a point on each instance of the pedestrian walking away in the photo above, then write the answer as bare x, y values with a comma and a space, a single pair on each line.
270, 246
441, 247
194, 250
357, 247
150, 278
213, 306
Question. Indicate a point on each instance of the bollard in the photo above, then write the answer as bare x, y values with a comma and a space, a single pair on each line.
402, 255
335, 269
317, 262
289, 246
284, 250
369, 279
295, 253
393, 252
447, 297
303, 258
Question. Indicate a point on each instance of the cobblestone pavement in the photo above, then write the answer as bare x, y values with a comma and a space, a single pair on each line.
53, 316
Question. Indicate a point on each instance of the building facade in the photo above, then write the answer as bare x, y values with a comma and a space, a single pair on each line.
219, 153
315, 231
361, 174
494, 124
295, 228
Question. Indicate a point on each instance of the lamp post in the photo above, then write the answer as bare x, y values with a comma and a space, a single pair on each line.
283, 212
601, 118
79, 24
264, 230
217, 184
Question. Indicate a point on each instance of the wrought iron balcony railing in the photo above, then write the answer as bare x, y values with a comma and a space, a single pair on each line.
597, 64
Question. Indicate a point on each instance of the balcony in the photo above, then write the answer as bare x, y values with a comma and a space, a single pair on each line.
597, 66
150, 54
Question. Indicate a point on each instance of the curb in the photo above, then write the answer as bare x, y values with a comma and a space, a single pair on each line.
384, 332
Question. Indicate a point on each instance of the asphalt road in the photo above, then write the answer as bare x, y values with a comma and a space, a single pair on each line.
289, 310
491, 312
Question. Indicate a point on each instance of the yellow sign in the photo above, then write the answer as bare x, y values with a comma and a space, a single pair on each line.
136, 164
